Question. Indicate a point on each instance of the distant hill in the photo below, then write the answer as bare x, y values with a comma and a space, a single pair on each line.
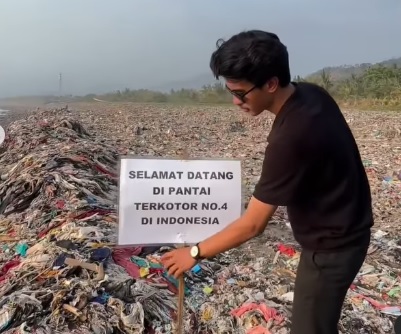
336, 73
345, 71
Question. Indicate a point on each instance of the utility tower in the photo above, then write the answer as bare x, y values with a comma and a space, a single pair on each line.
60, 85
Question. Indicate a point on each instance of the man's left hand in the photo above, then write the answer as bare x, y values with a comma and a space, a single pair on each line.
178, 261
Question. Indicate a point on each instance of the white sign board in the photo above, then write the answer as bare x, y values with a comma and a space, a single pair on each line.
166, 201
2, 135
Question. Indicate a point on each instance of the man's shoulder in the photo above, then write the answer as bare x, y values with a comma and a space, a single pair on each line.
310, 106
310, 119
310, 88
313, 99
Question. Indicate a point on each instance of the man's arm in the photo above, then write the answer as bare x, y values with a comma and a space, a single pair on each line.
252, 223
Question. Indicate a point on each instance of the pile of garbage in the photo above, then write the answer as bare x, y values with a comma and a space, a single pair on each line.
61, 272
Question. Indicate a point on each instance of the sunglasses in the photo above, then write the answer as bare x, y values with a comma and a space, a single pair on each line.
240, 95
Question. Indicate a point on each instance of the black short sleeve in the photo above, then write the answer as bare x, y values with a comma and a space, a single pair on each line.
285, 167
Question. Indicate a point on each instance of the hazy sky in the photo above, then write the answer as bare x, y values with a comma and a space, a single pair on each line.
101, 45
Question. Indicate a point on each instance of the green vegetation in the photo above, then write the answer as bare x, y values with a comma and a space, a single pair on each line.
208, 94
376, 86
366, 85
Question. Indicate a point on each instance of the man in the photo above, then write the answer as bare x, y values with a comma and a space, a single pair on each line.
312, 165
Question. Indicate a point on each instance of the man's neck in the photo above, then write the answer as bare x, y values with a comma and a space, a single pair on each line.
283, 94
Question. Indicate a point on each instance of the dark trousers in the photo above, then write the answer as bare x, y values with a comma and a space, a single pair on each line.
321, 284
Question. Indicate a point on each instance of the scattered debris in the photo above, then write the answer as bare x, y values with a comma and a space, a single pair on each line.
61, 273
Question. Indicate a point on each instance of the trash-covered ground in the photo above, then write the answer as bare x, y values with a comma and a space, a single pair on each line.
60, 271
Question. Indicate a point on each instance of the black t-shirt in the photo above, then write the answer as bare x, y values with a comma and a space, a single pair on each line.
312, 165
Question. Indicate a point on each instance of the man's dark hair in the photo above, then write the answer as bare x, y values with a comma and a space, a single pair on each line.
255, 56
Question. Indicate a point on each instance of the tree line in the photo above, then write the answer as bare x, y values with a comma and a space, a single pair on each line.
375, 86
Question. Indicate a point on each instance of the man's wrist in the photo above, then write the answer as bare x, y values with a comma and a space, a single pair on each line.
201, 257
196, 252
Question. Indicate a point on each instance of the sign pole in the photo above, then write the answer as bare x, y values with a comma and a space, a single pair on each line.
181, 282
180, 305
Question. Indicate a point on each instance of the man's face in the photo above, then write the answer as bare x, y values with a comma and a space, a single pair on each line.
251, 99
